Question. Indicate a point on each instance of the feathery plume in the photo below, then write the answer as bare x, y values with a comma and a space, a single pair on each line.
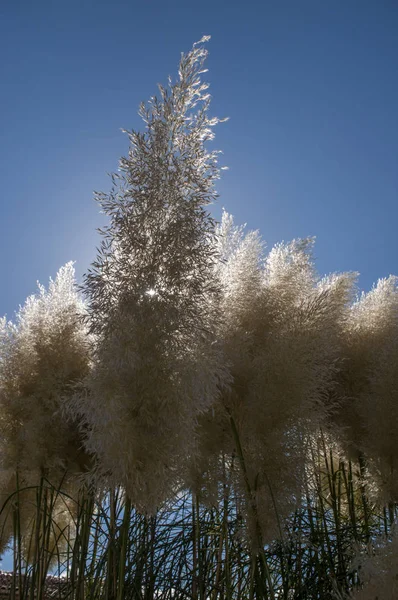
368, 411
280, 337
42, 356
153, 296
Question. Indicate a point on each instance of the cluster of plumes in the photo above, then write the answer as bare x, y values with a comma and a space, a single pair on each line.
213, 362
280, 333
153, 297
44, 354
378, 571
368, 386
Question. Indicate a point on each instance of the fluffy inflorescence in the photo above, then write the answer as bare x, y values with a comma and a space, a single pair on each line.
153, 296
368, 389
212, 362
43, 355
280, 329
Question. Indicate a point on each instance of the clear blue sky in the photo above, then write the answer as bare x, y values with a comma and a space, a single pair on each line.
312, 144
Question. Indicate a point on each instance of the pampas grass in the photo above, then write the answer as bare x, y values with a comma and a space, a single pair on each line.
217, 421
43, 355
152, 297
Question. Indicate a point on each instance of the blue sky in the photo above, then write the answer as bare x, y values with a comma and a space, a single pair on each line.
311, 89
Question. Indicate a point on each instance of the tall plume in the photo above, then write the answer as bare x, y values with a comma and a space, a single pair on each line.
153, 295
